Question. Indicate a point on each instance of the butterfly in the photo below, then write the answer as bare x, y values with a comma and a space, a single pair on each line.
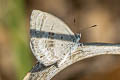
51, 40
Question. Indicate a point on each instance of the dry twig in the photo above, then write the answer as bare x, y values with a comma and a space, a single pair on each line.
40, 72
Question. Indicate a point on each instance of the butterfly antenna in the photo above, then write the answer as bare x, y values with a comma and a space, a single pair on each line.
83, 29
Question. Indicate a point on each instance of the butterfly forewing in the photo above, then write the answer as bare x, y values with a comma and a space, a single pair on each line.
51, 38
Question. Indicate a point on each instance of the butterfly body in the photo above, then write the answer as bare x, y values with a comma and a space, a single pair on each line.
51, 40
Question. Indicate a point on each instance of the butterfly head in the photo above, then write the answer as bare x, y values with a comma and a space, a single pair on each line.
78, 36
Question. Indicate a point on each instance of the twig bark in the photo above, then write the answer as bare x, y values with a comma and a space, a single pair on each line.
40, 72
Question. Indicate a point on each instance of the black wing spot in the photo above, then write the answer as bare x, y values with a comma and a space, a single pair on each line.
41, 56
61, 37
51, 35
61, 44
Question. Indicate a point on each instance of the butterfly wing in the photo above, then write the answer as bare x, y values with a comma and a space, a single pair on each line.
50, 37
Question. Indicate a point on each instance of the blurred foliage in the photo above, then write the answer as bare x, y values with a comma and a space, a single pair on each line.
14, 20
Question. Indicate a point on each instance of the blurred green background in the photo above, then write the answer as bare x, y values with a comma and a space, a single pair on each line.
16, 58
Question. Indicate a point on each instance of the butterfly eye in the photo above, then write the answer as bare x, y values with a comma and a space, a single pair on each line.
78, 36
